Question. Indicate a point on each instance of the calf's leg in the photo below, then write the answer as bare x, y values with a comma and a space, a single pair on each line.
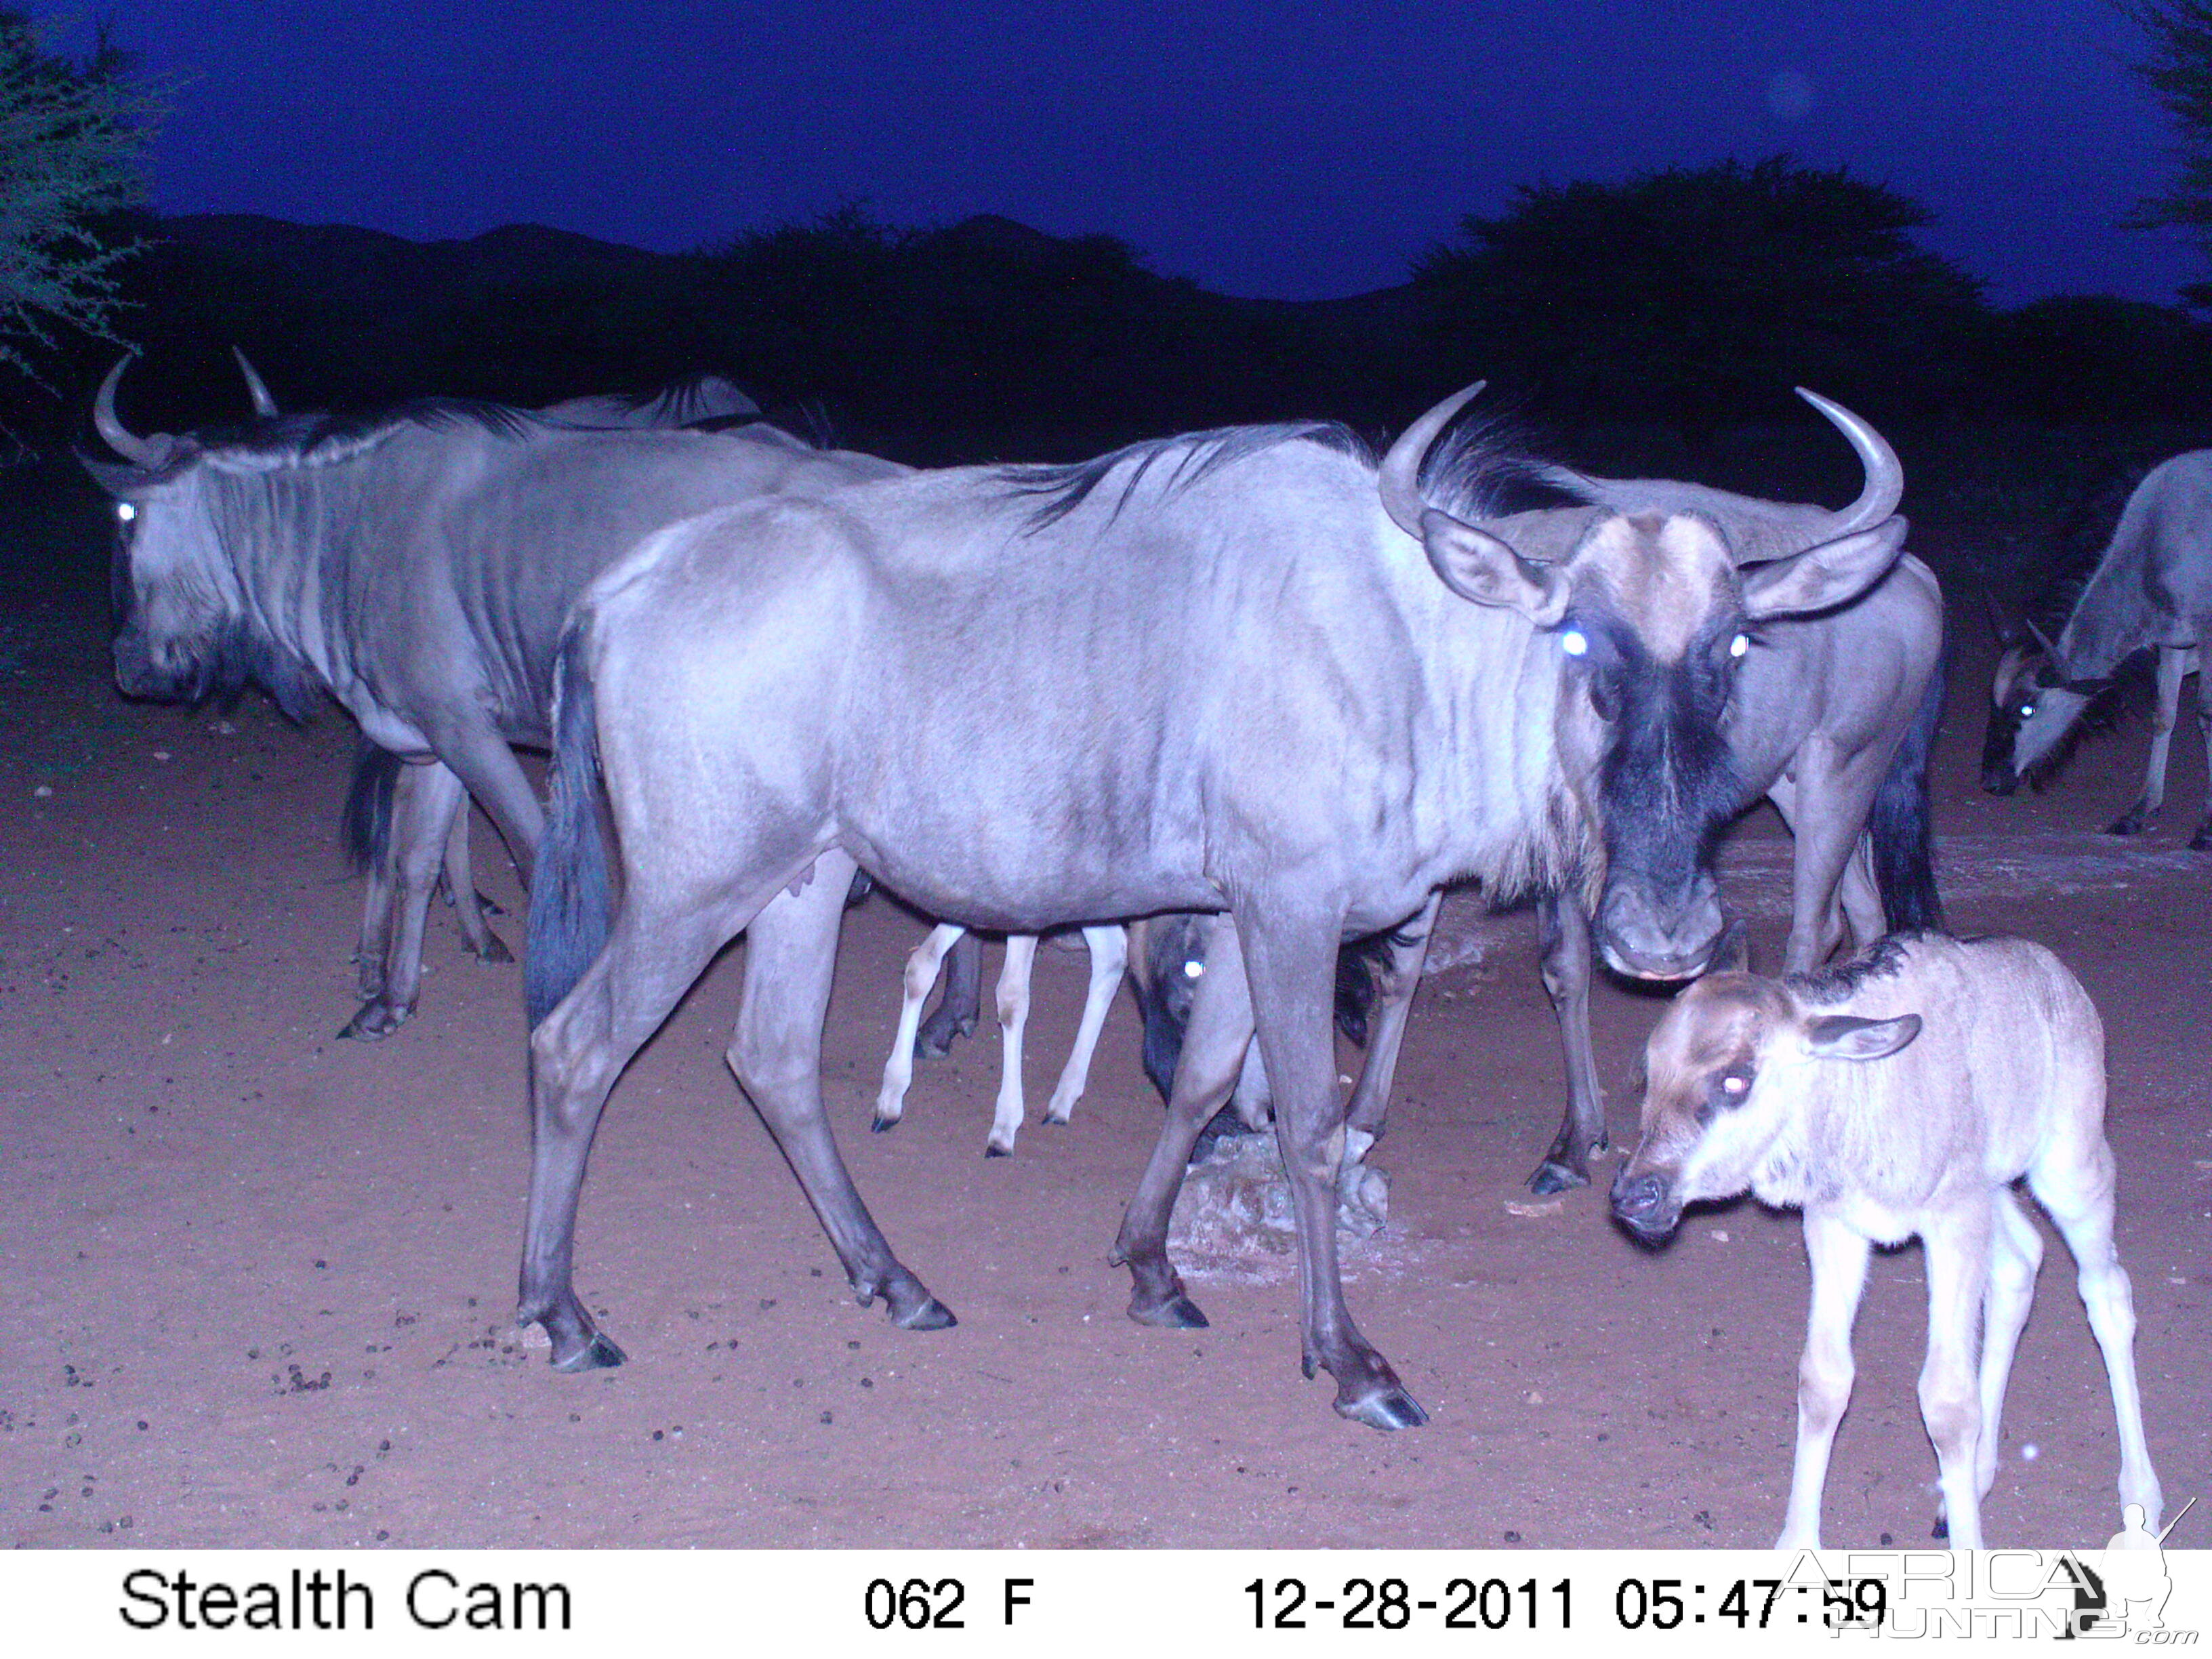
1957, 1250
1109, 959
2015, 1257
962, 1005
425, 801
2076, 1189
1825, 1372
921, 973
1013, 1000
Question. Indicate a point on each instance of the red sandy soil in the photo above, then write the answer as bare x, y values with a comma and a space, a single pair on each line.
263, 1279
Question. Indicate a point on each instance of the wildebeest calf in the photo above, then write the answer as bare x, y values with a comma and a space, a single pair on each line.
1903, 1094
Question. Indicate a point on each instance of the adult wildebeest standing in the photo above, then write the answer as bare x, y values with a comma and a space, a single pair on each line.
1899, 1095
416, 566
1245, 672
2152, 588
1832, 719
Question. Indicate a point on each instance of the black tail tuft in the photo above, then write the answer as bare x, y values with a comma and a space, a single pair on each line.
1358, 962
365, 825
1901, 829
571, 896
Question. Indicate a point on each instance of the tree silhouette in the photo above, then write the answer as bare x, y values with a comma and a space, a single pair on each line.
1698, 296
72, 137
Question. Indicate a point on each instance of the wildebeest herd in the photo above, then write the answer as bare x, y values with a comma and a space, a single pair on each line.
1257, 696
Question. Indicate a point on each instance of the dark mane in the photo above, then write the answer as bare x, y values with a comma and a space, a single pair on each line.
303, 440
1481, 468
1065, 487
1824, 988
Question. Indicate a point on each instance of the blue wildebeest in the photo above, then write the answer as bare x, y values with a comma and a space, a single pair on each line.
2152, 590
416, 567
1902, 1094
1238, 671
1833, 719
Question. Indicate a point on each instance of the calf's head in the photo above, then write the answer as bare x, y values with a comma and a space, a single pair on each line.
1724, 1075
1650, 616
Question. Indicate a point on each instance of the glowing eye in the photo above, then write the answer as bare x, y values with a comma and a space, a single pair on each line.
1575, 642
2028, 711
1735, 1085
1738, 645
125, 511
1193, 969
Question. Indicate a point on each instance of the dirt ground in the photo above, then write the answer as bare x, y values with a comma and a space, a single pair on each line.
263, 1279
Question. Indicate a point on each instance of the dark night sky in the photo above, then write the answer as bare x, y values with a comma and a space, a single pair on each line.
1287, 149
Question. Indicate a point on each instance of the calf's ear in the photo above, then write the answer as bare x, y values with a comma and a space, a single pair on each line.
1846, 1037
1481, 568
1823, 577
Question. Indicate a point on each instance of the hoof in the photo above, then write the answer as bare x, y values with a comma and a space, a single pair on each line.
374, 1021
1553, 1176
1178, 1313
930, 1315
1941, 1529
2129, 825
1387, 1408
882, 1124
993, 1150
486, 907
600, 1354
494, 950
2201, 840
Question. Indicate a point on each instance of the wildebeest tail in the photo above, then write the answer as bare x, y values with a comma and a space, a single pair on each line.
365, 825
1358, 962
571, 893
1900, 829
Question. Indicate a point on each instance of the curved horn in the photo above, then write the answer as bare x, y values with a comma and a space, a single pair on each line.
264, 404
143, 452
1398, 478
2043, 642
1885, 478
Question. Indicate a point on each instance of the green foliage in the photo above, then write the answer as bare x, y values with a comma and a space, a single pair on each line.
71, 140
1699, 294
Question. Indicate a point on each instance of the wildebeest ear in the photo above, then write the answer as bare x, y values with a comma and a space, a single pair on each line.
1823, 577
1846, 1037
1479, 567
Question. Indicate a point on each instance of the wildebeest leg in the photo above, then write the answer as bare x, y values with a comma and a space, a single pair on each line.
1957, 1252
460, 884
1861, 897
378, 896
1214, 1045
1109, 959
425, 800
2076, 1186
2015, 1255
1827, 833
1013, 1001
2201, 840
921, 965
1563, 932
1366, 1117
489, 771
791, 952
962, 1005
1825, 1372
1292, 972
576, 1053
2172, 663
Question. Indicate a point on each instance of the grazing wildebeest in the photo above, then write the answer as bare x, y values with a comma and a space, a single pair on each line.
416, 566
1833, 719
1901, 1094
1109, 948
1237, 671
2152, 590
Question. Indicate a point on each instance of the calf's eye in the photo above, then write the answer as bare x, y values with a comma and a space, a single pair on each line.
1738, 645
